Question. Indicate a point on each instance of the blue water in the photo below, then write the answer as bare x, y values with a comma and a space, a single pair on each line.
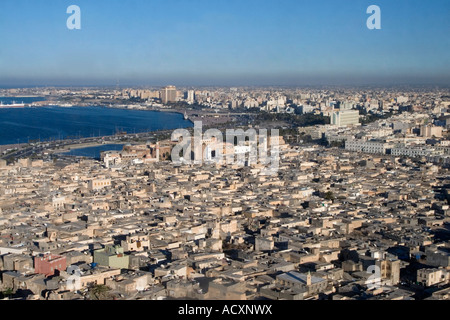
26, 100
55, 123
94, 152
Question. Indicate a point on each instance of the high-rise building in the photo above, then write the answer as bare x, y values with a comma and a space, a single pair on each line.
169, 94
190, 96
345, 118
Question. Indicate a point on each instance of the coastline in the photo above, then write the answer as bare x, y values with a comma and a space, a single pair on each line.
55, 146
121, 107
58, 146
205, 115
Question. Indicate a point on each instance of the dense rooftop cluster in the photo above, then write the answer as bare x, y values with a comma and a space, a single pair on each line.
156, 230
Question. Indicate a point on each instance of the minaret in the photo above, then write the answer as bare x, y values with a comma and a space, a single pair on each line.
157, 151
308, 279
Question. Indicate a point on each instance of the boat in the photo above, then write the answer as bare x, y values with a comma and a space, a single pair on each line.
13, 105
186, 116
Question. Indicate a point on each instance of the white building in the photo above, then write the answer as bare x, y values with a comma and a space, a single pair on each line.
415, 151
431, 277
111, 158
345, 118
375, 147
190, 96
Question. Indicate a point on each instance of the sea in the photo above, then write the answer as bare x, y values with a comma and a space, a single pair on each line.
23, 125
93, 152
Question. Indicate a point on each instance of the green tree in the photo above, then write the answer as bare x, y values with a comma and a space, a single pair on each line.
329, 196
338, 144
8, 292
99, 292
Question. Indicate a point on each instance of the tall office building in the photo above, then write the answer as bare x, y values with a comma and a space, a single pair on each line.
169, 94
345, 118
190, 96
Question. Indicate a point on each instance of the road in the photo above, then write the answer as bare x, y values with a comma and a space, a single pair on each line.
65, 145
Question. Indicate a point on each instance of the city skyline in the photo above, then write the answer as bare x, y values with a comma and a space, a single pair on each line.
224, 43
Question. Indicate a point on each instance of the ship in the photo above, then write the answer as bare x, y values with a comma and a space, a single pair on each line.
13, 105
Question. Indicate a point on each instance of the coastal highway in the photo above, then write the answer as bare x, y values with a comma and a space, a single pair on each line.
60, 146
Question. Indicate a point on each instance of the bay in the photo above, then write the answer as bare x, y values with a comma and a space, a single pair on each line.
26, 100
93, 152
22, 125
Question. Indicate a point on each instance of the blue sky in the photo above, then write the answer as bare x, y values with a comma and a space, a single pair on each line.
224, 42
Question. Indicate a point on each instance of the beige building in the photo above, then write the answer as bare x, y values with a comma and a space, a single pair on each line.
390, 270
168, 94
98, 184
429, 131
298, 280
136, 242
431, 277
227, 291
